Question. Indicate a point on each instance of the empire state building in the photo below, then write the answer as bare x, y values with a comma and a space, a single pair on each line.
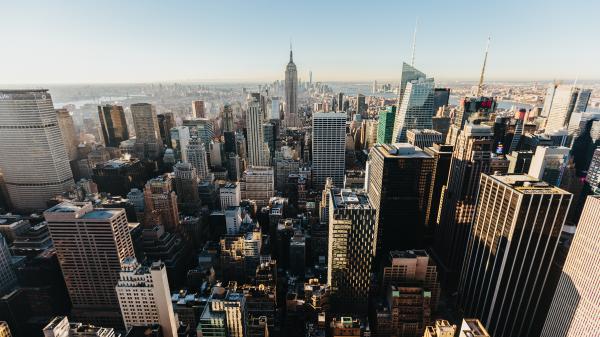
291, 89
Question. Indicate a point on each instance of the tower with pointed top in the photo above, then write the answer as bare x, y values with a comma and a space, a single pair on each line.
291, 88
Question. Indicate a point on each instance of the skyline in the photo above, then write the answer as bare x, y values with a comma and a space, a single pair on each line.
208, 42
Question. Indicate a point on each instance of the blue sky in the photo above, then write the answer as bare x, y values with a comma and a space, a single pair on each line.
142, 41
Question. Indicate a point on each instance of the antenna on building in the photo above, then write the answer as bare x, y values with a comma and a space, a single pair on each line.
414, 44
480, 86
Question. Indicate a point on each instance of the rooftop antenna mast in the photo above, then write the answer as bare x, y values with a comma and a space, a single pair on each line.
414, 44
480, 86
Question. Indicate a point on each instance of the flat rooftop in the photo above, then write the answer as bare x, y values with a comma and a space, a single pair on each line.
401, 150
347, 198
527, 184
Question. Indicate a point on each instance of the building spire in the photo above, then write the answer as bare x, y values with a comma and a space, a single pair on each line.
414, 44
291, 58
480, 86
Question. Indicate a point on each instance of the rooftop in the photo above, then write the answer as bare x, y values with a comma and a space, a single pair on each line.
527, 184
401, 150
347, 198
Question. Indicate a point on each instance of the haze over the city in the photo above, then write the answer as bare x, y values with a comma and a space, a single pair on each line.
139, 41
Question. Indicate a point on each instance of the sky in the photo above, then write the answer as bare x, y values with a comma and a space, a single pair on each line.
52, 42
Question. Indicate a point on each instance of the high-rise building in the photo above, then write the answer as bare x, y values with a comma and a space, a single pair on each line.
576, 304
144, 296
166, 121
548, 99
198, 109
328, 148
258, 184
549, 163
399, 183
351, 248
185, 183
409, 73
416, 109
34, 159
291, 88
567, 100
361, 106
148, 142
593, 174
90, 243
274, 108
113, 124
442, 156
441, 96
423, 138
230, 195
160, 198
340, 102
8, 278
471, 157
119, 176
258, 151
472, 109
519, 161
511, 246
180, 138
196, 155
67, 130
202, 128
385, 127
227, 117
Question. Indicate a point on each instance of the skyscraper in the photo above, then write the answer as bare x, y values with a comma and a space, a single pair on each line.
67, 130
196, 155
471, 157
258, 151
351, 248
416, 109
185, 182
575, 306
549, 163
399, 183
567, 100
227, 117
166, 121
510, 250
441, 96
385, 127
198, 109
113, 124
442, 156
409, 73
144, 296
328, 147
291, 88
90, 243
34, 159
148, 143
160, 198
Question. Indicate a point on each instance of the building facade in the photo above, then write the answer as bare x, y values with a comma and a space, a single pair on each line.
328, 148
511, 246
35, 162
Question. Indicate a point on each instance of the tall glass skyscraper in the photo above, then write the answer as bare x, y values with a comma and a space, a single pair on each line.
416, 109
33, 156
